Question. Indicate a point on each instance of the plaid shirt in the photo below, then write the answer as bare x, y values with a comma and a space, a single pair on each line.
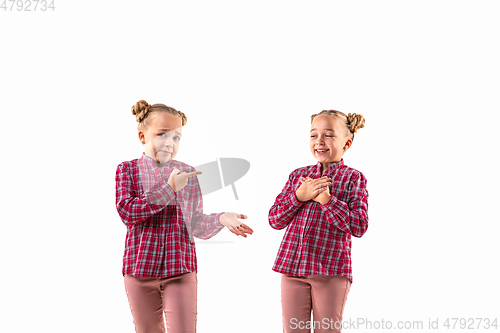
318, 238
160, 223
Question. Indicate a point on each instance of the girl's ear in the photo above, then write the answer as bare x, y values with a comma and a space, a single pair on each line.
348, 144
141, 137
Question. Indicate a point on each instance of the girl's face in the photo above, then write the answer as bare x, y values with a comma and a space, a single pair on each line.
161, 139
328, 138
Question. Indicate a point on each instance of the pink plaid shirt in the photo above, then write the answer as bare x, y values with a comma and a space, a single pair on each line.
160, 223
318, 238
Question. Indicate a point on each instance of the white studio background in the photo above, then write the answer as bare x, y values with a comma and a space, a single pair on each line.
248, 75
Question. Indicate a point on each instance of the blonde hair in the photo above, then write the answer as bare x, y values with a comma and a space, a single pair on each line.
142, 111
353, 121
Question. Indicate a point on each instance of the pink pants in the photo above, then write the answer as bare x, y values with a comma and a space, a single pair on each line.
175, 296
325, 295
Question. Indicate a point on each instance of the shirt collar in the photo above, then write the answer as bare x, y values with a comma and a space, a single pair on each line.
331, 167
147, 158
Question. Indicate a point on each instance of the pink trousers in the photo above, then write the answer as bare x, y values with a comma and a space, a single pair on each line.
150, 298
325, 295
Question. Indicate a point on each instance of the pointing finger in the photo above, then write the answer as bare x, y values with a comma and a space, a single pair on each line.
194, 173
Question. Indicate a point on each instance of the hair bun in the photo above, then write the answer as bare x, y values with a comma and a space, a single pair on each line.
355, 122
140, 110
183, 118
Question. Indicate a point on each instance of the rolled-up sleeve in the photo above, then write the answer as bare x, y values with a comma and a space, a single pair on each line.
133, 208
350, 216
204, 226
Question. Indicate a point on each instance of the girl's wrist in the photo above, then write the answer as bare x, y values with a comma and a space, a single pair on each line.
220, 219
325, 199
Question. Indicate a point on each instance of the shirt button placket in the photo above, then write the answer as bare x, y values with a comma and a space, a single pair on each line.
301, 246
162, 232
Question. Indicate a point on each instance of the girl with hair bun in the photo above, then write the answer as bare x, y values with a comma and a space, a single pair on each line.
321, 206
159, 200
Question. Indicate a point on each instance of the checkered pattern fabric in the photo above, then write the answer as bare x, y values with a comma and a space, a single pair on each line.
318, 237
160, 223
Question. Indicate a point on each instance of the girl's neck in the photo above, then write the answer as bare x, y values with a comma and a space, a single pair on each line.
326, 165
159, 165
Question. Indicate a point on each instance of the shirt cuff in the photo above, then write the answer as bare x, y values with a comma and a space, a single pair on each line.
334, 204
162, 195
218, 224
294, 201
337, 210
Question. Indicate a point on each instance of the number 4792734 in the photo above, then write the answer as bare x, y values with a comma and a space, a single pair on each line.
27, 5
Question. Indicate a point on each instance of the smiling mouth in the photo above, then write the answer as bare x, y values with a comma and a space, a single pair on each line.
321, 150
